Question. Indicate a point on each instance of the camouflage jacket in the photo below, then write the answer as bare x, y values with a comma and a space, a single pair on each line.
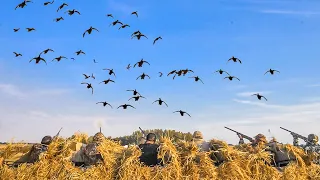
33, 155
36, 150
309, 148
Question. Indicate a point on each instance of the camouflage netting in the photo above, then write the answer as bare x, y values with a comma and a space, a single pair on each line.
181, 160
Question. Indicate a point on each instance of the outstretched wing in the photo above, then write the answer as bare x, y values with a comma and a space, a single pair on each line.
265, 98
171, 72
146, 62
43, 60
155, 101
165, 103
187, 114
131, 106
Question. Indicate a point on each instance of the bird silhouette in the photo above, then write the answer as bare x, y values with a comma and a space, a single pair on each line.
86, 76
128, 67
135, 13
89, 31
38, 59
116, 22
110, 15
179, 73
160, 101
138, 36
46, 3
46, 51
80, 52
234, 59
135, 33
124, 26
16, 29
142, 76
107, 81
259, 96
61, 6
135, 92
125, 106
92, 76
160, 74
30, 29
88, 86
140, 63
23, 4
73, 59
71, 12
94, 61
58, 19
172, 72
136, 98
59, 58
231, 78
196, 78
271, 71
104, 104
182, 113
220, 71
17, 54
185, 71
110, 72
156, 39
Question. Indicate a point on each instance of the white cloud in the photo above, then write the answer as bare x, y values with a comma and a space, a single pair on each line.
12, 90
248, 94
275, 11
24, 93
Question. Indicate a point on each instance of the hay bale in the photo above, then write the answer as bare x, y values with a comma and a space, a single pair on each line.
181, 160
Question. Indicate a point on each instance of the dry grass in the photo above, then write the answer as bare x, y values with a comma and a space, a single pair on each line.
181, 161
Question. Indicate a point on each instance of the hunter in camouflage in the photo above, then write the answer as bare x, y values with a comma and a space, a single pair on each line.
200, 142
88, 154
36, 150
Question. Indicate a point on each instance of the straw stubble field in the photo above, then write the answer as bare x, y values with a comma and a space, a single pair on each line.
182, 161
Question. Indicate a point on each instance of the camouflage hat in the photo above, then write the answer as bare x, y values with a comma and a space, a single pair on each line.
313, 138
98, 137
46, 140
261, 138
197, 135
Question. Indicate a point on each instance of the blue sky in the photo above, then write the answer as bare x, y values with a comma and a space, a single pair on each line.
37, 100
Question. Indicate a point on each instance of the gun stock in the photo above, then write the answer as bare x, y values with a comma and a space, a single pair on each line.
243, 135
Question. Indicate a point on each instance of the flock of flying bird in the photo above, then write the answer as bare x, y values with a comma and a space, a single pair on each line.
137, 34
